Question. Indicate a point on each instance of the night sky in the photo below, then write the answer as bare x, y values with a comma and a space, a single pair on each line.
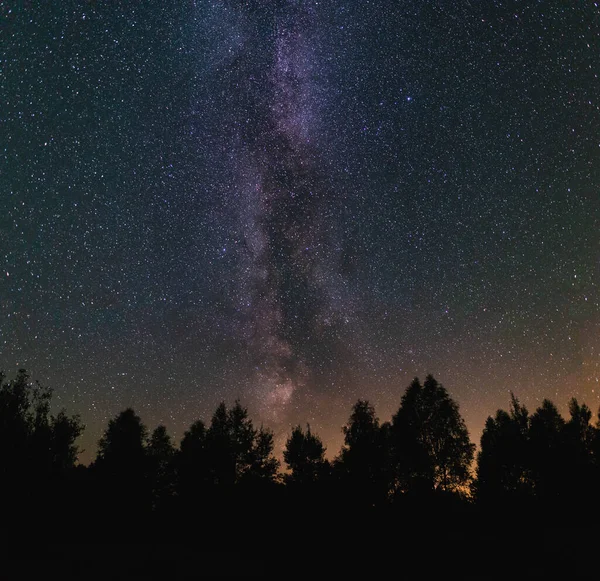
299, 203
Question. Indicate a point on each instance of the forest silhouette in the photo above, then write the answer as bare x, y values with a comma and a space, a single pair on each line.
411, 484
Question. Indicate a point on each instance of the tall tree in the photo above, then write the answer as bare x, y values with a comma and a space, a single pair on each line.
192, 466
122, 463
579, 437
35, 446
263, 465
412, 464
38, 452
547, 451
503, 466
235, 450
431, 445
363, 460
161, 455
579, 428
123, 443
305, 456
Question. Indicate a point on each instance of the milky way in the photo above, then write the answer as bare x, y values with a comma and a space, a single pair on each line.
299, 203
286, 262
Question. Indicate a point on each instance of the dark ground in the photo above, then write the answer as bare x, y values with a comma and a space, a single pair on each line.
300, 551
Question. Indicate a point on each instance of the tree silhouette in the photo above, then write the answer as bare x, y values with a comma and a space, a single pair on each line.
503, 467
192, 464
431, 446
122, 464
305, 456
161, 455
546, 429
263, 465
35, 446
64, 432
413, 467
236, 451
578, 429
226, 451
579, 435
537, 458
123, 443
363, 460
529, 466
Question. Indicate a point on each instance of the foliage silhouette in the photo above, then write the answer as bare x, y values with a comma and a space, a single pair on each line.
362, 464
503, 467
192, 465
430, 441
546, 451
236, 452
122, 465
579, 454
305, 456
38, 450
533, 468
538, 462
161, 455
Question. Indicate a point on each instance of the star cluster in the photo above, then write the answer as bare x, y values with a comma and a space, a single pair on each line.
299, 203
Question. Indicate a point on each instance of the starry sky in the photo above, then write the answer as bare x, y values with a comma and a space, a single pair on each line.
299, 203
